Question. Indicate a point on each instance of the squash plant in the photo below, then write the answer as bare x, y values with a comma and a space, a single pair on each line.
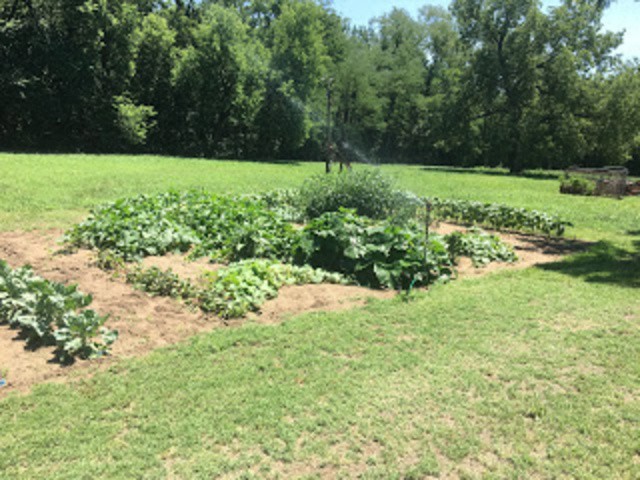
481, 247
244, 286
375, 254
207, 225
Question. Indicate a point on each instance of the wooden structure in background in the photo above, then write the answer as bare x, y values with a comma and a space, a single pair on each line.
609, 181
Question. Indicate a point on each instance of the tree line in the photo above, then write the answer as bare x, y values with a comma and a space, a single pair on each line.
485, 82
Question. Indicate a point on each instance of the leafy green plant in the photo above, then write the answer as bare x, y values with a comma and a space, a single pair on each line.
45, 312
75, 336
368, 192
209, 225
481, 247
284, 202
158, 282
109, 260
232, 291
498, 216
244, 286
576, 185
375, 254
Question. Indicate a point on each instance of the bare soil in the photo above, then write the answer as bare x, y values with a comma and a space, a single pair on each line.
530, 249
146, 323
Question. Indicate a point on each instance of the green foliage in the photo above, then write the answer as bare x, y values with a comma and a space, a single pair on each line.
368, 192
576, 185
76, 333
158, 282
219, 84
480, 247
376, 254
49, 313
133, 121
109, 261
497, 216
286, 203
489, 82
242, 287
221, 227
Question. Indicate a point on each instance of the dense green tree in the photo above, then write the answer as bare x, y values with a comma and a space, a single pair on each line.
155, 54
219, 82
488, 82
401, 65
523, 61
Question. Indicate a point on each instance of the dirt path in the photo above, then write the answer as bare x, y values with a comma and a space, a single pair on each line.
146, 323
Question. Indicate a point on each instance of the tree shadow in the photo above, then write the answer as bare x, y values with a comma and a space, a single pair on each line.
549, 245
271, 161
533, 174
603, 263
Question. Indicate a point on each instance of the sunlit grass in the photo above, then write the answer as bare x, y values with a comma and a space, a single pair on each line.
43, 191
519, 374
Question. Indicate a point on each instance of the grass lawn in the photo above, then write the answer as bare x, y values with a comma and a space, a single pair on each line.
519, 374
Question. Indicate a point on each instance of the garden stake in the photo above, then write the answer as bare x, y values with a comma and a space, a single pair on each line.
427, 224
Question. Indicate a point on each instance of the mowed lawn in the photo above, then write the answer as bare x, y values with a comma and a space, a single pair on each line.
518, 374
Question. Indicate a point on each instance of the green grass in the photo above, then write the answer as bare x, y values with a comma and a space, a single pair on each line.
520, 374
40, 191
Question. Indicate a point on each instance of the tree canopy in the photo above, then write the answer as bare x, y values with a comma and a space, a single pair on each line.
485, 82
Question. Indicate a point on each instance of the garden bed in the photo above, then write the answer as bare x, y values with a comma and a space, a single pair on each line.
146, 323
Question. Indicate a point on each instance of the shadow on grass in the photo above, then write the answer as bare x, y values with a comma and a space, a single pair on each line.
270, 161
603, 263
534, 174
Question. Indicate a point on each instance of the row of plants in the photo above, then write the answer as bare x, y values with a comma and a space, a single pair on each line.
497, 216
232, 291
221, 227
372, 194
51, 314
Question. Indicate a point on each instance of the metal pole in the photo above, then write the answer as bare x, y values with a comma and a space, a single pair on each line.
427, 225
329, 139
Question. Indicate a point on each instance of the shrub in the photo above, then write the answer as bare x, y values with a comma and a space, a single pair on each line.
367, 192
576, 185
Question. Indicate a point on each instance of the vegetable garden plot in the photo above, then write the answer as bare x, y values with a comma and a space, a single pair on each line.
265, 255
144, 322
